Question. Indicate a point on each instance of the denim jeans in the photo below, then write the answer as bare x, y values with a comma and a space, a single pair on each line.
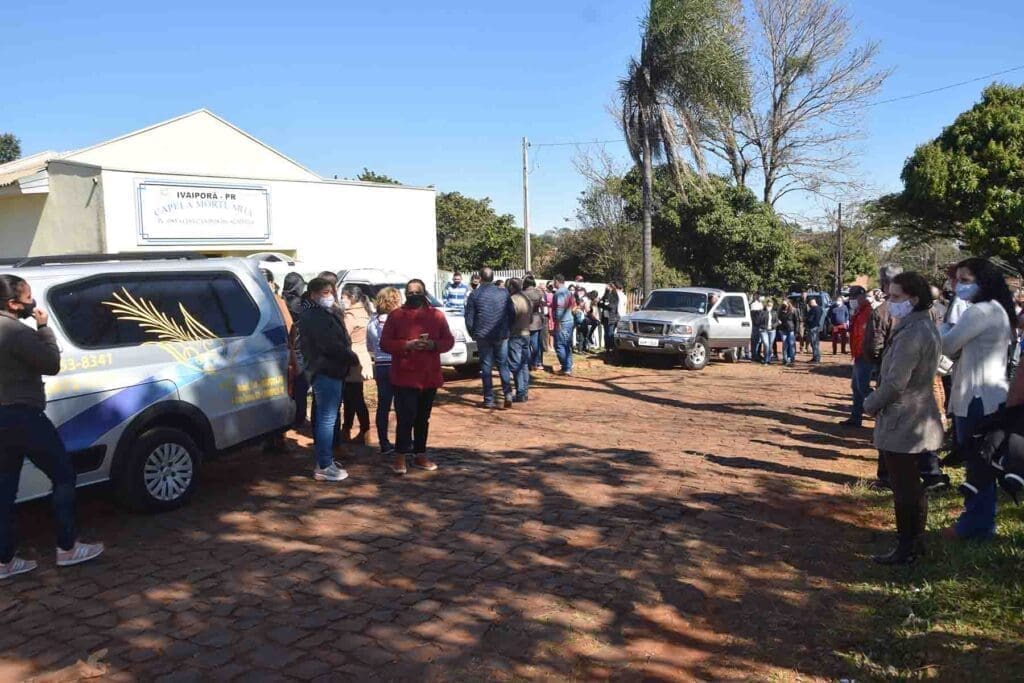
788, 347
978, 520
765, 339
814, 337
563, 345
861, 385
491, 353
328, 393
609, 335
27, 432
519, 360
413, 407
385, 399
536, 349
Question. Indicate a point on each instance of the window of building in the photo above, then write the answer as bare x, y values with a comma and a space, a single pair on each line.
130, 309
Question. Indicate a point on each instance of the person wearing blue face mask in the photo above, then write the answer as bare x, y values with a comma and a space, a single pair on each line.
980, 338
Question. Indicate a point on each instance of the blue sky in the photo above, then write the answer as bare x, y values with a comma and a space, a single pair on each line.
431, 93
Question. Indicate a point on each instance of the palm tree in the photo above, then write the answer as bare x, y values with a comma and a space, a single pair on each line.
690, 60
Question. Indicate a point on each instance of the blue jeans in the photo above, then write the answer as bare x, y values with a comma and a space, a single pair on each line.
492, 352
328, 393
814, 336
788, 347
861, 385
27, 433
609, 335
978, 520
563, 345
519, 360
536, 349
765, 339
385, 399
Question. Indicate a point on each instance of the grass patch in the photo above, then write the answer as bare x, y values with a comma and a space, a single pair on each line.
957, 614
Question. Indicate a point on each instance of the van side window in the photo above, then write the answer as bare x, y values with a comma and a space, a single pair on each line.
216, 301
731, 307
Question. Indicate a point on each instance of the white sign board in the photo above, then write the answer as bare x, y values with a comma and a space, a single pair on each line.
171, 213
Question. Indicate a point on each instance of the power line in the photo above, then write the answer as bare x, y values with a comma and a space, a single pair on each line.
870, 104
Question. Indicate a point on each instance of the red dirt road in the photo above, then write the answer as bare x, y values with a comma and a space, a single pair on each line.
627, 523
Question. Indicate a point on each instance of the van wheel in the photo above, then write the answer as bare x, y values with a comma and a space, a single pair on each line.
697, 357
161, 471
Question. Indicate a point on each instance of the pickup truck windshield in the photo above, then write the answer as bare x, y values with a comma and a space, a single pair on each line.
689, 302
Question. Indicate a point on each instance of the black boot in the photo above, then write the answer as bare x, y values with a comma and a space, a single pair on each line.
908, 521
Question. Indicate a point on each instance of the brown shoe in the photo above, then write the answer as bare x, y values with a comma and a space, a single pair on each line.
424, 463
398, 466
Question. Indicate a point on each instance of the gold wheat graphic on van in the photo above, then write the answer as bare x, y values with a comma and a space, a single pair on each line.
166, 329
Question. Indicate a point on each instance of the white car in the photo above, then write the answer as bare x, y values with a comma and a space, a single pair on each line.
464, 356
281, 265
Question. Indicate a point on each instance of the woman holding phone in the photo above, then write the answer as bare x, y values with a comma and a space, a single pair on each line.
415, 336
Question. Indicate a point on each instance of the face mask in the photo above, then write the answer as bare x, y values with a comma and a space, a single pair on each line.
26, 309
967, 290
416, 300
326, 301
901, 309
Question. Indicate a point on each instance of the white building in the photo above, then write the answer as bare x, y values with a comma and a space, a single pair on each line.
198, 183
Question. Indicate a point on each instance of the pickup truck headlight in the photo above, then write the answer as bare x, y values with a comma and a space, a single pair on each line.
682, 330
623, 326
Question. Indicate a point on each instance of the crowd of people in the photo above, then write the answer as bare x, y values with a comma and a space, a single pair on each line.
918, 354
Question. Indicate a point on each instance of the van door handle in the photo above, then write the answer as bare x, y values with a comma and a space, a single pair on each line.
745, 324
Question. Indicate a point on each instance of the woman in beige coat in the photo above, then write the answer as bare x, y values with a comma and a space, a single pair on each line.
357, 319
908, 419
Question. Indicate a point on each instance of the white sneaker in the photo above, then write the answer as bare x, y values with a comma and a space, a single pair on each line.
332, 473
16, 566
82, 552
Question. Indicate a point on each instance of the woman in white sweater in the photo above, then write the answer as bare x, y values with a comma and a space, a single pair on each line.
982, 339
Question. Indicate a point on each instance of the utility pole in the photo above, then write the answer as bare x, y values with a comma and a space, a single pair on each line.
839, 252
526, 205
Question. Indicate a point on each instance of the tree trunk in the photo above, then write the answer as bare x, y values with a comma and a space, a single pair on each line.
648, 207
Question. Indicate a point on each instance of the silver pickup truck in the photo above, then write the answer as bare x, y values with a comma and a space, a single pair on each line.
690, 322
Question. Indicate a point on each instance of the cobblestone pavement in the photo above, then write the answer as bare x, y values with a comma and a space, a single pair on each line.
627, 523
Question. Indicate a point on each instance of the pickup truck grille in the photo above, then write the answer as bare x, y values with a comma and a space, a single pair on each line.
649, 328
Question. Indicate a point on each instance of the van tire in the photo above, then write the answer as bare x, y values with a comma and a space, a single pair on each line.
173, 460
697, 357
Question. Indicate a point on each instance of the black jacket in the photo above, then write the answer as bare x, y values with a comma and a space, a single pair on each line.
325, 343
759, 319
788, 322
609, 305
815, 317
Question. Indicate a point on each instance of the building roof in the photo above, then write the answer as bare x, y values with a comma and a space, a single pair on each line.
13, 171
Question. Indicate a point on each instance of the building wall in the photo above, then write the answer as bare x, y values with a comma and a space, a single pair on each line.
195, 143
329, 225
66, 220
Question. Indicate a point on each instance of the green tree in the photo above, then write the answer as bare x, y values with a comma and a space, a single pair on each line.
720, 235
368, 176
471, 235
968, 184
816, 257
689, 60
10, 147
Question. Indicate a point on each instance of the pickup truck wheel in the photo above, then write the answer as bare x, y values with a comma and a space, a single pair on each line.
697, 357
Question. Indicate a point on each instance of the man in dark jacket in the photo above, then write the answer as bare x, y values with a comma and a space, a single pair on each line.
609, 306
812, 328
328, 354
489, 318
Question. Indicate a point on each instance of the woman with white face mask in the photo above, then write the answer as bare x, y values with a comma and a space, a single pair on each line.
981, 338
909, 422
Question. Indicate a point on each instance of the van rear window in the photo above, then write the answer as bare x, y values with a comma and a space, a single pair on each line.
127, 310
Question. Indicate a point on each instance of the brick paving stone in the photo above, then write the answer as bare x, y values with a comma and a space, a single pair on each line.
286, 635
275, 657
309, 669
373, 655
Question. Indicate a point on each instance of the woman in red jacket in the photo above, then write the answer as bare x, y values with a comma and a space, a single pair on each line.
415, 335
